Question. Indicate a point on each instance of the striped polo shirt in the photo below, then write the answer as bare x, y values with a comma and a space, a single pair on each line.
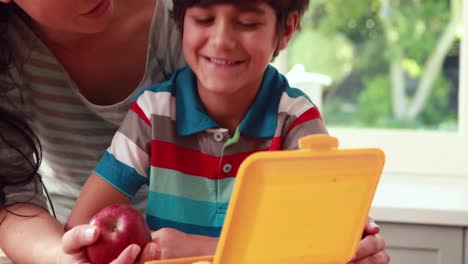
168, 142
73, 131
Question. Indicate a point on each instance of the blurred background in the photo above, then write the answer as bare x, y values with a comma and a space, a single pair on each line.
390, 63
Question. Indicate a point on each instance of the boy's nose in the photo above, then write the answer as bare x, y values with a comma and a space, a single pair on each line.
223, 35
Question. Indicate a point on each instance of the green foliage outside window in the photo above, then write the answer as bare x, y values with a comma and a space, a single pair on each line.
394, 64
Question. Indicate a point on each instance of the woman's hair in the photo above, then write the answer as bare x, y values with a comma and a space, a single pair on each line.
15, 134
282, 9
5, 49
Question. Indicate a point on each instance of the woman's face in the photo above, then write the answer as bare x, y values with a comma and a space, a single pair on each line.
68, 16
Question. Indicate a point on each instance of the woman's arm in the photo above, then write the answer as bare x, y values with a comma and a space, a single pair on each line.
38, 239
20, 235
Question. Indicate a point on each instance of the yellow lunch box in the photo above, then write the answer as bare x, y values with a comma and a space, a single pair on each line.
302, 206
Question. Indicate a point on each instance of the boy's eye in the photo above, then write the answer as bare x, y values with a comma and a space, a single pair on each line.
246, 24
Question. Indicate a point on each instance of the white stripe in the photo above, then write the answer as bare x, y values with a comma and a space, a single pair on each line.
157, 103
127, 152
44, 57
47, 88
64, 107
49, 73
294, 106
48, 122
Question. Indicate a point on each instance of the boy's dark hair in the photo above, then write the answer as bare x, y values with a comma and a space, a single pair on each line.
282, 9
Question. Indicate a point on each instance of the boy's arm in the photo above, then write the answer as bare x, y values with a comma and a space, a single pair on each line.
122, 169
306, 123
173, 243
95, 195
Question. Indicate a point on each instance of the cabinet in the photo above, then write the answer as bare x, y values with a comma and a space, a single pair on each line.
425, 244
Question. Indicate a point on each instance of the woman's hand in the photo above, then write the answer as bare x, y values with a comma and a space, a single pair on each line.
371, 249
76, 239
176, 244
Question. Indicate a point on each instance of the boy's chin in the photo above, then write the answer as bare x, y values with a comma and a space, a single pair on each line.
220, 90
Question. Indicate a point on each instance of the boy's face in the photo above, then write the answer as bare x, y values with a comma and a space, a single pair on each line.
229, 46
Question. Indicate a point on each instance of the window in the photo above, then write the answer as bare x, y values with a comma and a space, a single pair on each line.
397, 79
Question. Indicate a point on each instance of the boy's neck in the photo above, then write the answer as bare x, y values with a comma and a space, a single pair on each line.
227, 111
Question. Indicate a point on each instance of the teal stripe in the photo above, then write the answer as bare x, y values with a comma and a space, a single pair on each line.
123, 177
176, 183
186, 211
295, 93
156, 223
262, 118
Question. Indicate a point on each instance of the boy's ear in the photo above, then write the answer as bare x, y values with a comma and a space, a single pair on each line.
292, 23
5, 1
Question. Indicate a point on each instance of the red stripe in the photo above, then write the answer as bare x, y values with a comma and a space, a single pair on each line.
136, 108
311, 114
193, 162
276, 143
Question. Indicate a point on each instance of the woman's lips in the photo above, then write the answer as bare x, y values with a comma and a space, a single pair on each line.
100, 9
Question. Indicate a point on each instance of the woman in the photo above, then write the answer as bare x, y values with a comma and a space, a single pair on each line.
20, 174
75, 67
27, 71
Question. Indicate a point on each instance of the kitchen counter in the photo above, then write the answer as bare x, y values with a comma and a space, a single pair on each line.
421, 200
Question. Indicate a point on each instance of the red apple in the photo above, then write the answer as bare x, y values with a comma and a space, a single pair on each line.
120, 225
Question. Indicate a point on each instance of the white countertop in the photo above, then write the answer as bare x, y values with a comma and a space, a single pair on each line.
421, 200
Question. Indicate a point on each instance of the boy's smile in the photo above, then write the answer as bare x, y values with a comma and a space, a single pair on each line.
222, 62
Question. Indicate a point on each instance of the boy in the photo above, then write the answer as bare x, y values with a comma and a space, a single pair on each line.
187, 137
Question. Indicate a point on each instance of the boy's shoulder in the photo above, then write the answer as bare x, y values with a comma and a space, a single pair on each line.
293, 96
296, 93
280, 95
166, 86
288, 91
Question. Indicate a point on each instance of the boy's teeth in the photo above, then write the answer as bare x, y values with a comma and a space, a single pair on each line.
218, 61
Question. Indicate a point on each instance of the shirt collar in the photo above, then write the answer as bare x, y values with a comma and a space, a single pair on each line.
260, 121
